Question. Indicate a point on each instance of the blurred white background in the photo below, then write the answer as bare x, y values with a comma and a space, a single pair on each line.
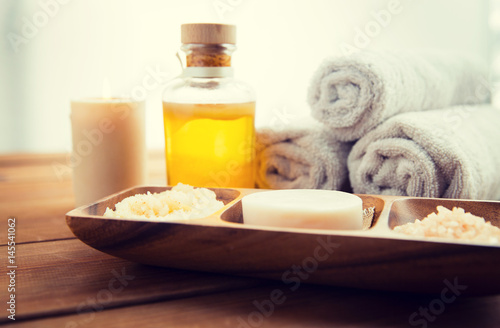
53, 50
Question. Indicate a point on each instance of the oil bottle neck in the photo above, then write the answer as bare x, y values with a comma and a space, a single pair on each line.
208, 55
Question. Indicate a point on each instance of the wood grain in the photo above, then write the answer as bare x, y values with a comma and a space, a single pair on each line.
307, 306
38, 220
68, 277
32, 192
58, 280
56, 167
376, 259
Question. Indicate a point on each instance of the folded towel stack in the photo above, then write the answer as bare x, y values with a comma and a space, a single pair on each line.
354, 94
406, 114
304, 156
450, 153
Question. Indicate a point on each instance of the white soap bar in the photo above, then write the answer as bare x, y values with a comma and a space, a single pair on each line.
304, 208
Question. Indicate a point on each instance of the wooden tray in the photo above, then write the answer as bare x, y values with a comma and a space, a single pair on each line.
377, 258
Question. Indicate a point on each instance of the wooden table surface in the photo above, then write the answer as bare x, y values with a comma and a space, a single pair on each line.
61, 282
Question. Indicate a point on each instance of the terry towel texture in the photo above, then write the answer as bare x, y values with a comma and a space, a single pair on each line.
450, 153
301, 157
352, 95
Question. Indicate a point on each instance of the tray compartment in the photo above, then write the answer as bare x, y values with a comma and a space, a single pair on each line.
373, 259
234, 213
410, 209
99, 207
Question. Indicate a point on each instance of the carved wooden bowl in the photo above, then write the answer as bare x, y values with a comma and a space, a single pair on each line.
376, 258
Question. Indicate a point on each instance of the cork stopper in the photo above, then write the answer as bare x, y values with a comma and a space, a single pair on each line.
208, 45
208, 33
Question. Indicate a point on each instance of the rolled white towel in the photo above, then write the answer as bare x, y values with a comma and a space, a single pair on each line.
352, 95
301, 157
450, 153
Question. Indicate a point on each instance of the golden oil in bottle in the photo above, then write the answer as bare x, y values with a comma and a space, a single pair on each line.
210, 145
209, 116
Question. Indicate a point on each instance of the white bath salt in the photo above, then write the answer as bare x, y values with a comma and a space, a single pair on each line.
180, 203
454, 224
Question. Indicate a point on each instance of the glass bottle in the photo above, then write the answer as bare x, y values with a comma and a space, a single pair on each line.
209, 116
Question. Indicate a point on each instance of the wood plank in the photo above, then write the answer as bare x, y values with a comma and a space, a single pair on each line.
67, 276
58, 280
39, 199
27, 190
45, 189
57, 167
47, 158
307, 306
37, 220
15, 159
34, 173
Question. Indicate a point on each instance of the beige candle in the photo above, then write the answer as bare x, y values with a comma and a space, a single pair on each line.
109, 149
